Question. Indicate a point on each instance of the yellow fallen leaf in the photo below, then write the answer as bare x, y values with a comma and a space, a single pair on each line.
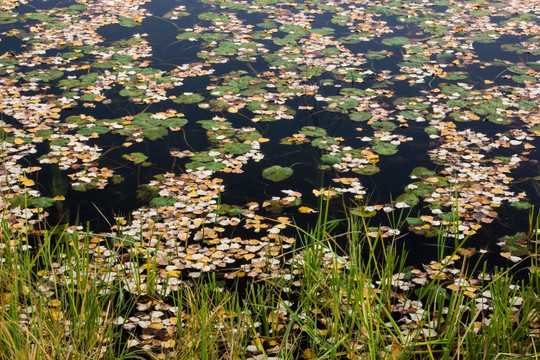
55, 303
156, 326
396, 350
307, 354
306, 210
27, 182
42, 273
18, 141
56, 314
169, 344
6, 297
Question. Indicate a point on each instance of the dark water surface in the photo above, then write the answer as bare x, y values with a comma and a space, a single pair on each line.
486, 70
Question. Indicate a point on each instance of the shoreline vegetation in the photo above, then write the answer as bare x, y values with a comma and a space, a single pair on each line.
60, 300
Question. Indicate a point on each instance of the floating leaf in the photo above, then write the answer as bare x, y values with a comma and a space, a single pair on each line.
521, 79
135, 157
396, 41
306, 210
331, 159
367, 170
313, 131
360, 116
277, 173
236, 148
384, 126
127, 22
384, 148
456, 75
162, 201
188, 98
376, 55
517, 244
407, 198
422, 171
521, 205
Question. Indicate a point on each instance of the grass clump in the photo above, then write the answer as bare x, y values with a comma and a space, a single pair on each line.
341, 294
52, 306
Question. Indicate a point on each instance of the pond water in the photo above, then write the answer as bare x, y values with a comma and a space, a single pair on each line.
217, 123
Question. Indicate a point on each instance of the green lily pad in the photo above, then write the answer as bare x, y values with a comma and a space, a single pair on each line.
501, 119
410, 115
534, 129
135, 157
237, 148
331, 159
360, 116
8, 17
517, 244
211, 165
414, 221
422, 171
277, 173
376, 55
94, 130
162, 201
273, 207
363, 212
233, 210
443, 58
527, 105
367, 170
456, 75
413, 105
174, 123
521, 205
188, 98
418, 59
354, 38
534, 65
188, 35
127, 22
313, 131
155, 132
396, 41
521, 79
324, 142
431, 130
132, 92
384, 148
175, 14
25, 201
407, 198
384, 126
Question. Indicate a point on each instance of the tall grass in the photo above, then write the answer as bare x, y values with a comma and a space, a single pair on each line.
52, 306
59, 301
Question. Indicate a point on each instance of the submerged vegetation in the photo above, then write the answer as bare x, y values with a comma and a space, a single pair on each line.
261, 170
